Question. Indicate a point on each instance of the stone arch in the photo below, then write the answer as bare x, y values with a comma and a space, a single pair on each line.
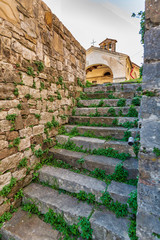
99, 74
115, 61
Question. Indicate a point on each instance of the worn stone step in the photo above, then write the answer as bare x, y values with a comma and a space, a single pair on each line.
97, 120
74, 182
22, 226
104, 224
102, 111
93, 161
110, 102
117, 95
45, 198
114, 87
116, 132
95, 143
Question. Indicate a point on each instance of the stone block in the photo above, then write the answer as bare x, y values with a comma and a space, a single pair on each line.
38, 129
4, 208
18, 123
23, 90
149, 199
26, 132
3, 115
27, 80
25, 143
8, 11
35, 93
29, 227
151, 44
151, 75
46, 117
6, 104
10, 162
6, 91
150, 108
150, 137
5, 180
3, 144
4, 126
19, 174
152, 11
30, 120
7, 152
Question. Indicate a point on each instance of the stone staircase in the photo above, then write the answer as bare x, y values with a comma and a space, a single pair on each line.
91, 141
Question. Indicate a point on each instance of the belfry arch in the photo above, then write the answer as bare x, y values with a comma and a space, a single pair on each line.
99, 74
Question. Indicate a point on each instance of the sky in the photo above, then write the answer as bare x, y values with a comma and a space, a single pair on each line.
101, 19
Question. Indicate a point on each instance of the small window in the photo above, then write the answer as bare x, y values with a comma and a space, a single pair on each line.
94, 81
107, 74
110, 46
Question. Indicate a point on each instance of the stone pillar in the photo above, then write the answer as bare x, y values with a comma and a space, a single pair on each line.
148, 216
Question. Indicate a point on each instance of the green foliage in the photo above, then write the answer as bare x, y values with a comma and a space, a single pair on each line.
141, 72
98, 173
139, 89
121, 210
111, 96
74, 111
121, 102
38, 116
59, 95
30, 71
51, 98
119, 175
52, 124
19, 106
108, 152
81, 160
85, 226
5, 217
100, 104
16, 143
60, 81
129, 124
156, 151
132, 230
11, 117
136, 101
42, 86
31, 208
141, 15
112, 112
132, 201
34, 85
19, 194
96, 114
156, 235
39, 65
132, 112
79, 83
63, 117
39, 153
88, 84
22, 163
115, 122
127, 135
28, 96
16, 93
7, 189
62, 130
149, 93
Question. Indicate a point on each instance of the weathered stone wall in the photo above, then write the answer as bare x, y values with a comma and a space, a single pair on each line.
31, 95
148, 218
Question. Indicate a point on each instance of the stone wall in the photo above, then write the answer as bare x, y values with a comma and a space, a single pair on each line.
148, 218
40, 62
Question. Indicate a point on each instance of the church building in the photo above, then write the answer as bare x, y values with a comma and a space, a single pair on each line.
105, 65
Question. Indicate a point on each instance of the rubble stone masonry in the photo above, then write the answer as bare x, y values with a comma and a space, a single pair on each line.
148, 218
40, 63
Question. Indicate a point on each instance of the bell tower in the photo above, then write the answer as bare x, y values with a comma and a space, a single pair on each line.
109, 44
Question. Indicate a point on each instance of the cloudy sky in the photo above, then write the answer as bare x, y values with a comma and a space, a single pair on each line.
101, 19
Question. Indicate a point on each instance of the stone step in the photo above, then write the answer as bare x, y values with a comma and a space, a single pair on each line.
22, 226
104, 224
117, 95
95, 143
116, 132
102, 111
93, 161
114, 87
110, 102
74, 182
97, 120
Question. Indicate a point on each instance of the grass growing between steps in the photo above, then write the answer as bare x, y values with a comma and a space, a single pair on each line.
56, 220
108, 152
74, 133
120, 210
115, 123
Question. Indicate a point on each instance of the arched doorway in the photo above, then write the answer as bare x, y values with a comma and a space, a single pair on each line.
99, 74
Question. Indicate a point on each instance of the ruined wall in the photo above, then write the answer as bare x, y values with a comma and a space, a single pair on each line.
30, 93
148, 218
